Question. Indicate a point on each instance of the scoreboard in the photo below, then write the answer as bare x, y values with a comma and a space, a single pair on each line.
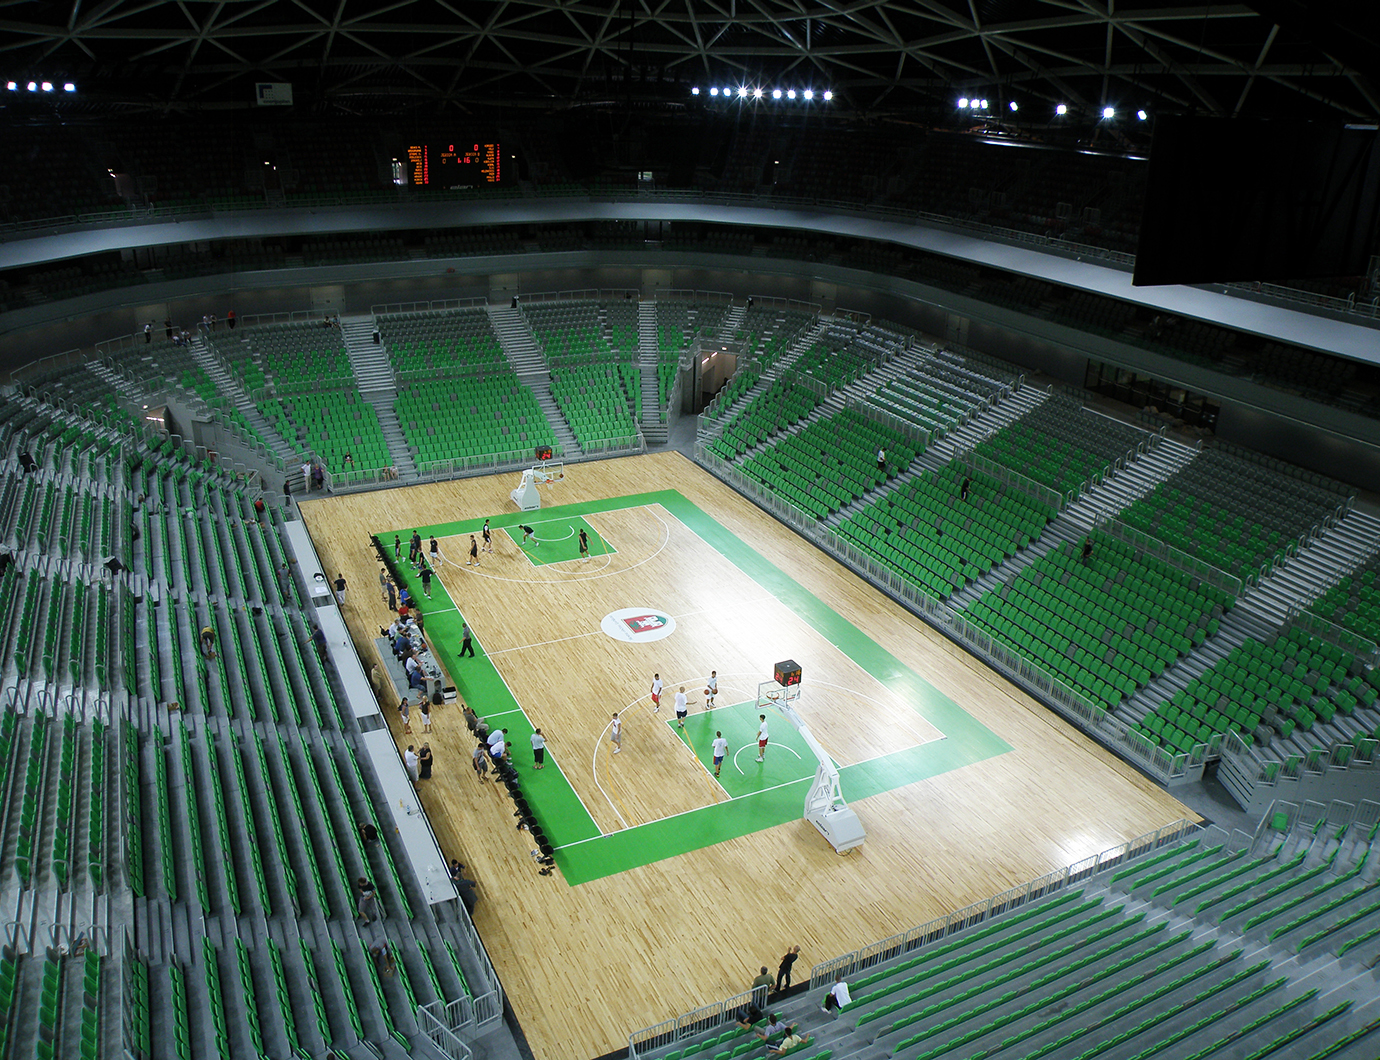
456, 165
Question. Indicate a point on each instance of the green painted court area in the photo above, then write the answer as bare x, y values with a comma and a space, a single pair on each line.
757, 801
787, 760
557, 539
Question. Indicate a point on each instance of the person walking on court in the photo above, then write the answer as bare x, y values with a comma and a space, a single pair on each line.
488, 538
426, 581
656, 693
720, 749
414, 548
584, 545
466, 640
783, 970
762, 737
711, 689
435, 551
340, 588
682, 708
474, 552
616, 733
538, 750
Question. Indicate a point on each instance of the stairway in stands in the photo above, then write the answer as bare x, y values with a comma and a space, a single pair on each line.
1263, 609
803, 343
378, 386
1117, 492
654, 431
525, 354
728, 329
229, 386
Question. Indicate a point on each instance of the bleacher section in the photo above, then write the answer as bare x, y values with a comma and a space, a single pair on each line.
1062, 446
573, 332
1354, 602
924, 533
832, 462
595, 403
1104, 626
471, 420
1182, 943
300, 378
1241, 515
944, 392
148, 788
435, 345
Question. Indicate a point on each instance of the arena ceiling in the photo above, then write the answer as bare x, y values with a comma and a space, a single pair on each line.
1270, 57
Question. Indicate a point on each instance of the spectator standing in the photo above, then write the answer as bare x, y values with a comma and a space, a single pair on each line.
383, 583
1087, 549
965, 489
367, 905
411, 760
783, 970
424, 759
318, 637
425, 706
405, 709
340, 588
538, 750
391, 591
148, 332
481, 760
230, 319
881, 459
167, 328
762, 983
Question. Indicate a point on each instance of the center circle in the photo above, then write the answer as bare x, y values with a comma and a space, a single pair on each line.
636, 625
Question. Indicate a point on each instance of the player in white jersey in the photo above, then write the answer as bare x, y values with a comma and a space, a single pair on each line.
720, 749
656, 693
762, 738
711, 689
616, 733
682, 707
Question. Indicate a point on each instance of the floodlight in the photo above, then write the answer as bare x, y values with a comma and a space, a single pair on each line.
1013, 106
742, 91
776, 93
69, 87
47, 86
1108, 113
695, 91
790, 93
13, 86
963, 103
713, 91
756, 93
1141, 115
828, 96
1062, 108
809, 93
33, 86
984, 104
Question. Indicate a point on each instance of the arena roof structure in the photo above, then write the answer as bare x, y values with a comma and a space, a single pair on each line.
1269, 57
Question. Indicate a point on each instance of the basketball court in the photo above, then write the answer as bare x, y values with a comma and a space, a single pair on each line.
673, 885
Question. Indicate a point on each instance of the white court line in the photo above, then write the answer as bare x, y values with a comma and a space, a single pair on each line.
602, 572
745, 746
754, 794
593, 633
556, 761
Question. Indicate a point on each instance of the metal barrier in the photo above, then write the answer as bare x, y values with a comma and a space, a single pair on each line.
436, 306
1171, 556
1364, 649
1039, 493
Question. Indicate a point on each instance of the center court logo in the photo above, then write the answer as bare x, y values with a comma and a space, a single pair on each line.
635, 625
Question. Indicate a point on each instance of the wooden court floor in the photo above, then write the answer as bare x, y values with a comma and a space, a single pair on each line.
583, 965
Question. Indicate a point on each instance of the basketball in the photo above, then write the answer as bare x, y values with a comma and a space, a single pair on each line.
707, 692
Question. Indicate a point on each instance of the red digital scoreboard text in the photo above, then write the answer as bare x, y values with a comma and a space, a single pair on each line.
456, 164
